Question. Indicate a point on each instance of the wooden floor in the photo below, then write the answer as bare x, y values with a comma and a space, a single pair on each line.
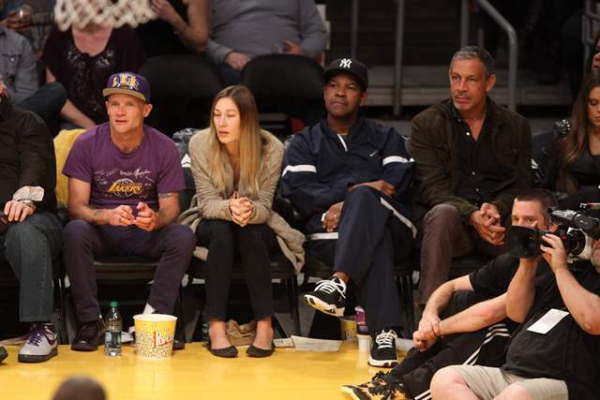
191, 374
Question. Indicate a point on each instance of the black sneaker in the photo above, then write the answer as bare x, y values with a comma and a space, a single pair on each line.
383, 386
3, 353
329, 297
89, 336
383, 349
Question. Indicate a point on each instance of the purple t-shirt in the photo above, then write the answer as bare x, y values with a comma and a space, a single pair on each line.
118, 178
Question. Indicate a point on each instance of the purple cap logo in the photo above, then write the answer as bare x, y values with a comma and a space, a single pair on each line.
128, 83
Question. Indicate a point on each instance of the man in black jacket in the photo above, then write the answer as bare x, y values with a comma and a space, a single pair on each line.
30, 231
349, 177
472, 157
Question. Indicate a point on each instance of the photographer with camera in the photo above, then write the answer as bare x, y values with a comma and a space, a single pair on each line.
464, 321
555, 353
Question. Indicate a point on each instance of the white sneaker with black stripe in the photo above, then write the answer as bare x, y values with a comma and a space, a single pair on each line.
383, 349
329, 297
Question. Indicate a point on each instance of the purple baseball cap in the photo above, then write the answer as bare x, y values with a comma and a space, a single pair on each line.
128, 83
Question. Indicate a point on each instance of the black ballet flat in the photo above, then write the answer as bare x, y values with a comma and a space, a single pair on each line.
253, 351
227, 352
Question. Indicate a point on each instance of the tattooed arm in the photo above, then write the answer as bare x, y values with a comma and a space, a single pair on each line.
80, 208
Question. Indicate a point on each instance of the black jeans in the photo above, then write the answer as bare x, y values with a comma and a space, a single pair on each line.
30, 247
254, 243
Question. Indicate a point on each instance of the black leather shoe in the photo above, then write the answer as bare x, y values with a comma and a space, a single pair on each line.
3, 353
89, 336
227, 352
253, 351
178, 344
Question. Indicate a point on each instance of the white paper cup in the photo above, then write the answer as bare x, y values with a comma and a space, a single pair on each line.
364, 342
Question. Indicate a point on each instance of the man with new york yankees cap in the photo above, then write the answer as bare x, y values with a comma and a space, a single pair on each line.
349, 177
124, 179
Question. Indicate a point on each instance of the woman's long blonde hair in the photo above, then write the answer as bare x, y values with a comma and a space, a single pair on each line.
251, 143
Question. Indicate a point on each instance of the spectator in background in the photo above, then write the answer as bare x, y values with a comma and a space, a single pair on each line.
30, 231
18, 71
473, 156
570, 164
6, 6
181, 28
174, 45
236, 168
240, 31
34, 20
593, 61
82, 59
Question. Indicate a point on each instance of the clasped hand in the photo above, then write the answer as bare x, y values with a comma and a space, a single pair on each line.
241, 209
486, 222
123, 216
428, 332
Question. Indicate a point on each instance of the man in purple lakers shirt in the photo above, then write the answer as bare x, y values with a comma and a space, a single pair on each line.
124, 179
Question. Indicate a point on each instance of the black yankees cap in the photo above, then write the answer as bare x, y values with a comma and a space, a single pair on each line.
348, 66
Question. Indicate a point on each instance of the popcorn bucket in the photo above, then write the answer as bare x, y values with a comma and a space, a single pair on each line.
154, 335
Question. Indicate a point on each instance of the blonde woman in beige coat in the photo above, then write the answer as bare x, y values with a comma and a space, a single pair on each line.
236, 168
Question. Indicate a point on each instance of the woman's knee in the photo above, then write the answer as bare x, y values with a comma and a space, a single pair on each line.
255, 234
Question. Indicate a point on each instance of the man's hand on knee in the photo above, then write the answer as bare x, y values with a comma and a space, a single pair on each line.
17, 211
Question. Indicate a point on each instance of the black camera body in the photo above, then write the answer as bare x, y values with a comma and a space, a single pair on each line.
575, 229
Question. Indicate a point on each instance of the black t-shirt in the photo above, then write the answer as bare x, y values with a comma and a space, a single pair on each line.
493, 279
566, 352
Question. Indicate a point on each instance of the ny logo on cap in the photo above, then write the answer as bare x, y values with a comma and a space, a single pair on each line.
125, 80
345, 63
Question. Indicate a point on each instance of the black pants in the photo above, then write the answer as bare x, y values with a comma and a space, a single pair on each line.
172, 245
254, 243
483, 347
371, 237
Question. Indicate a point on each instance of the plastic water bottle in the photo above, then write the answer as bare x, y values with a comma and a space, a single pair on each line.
114, 324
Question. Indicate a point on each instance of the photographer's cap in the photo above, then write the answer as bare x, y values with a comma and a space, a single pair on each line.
128, 83
348, 66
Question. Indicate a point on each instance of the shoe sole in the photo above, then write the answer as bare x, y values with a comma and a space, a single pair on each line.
320, 305
382, 363
349, 394
32, 359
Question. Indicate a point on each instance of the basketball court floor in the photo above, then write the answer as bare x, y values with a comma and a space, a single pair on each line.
192, 374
